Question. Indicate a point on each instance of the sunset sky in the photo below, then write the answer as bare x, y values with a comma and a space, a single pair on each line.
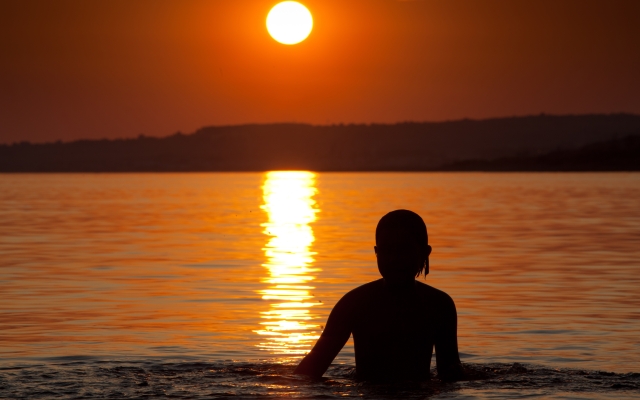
75, 69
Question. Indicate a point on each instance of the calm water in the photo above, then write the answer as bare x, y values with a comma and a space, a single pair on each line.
213, 285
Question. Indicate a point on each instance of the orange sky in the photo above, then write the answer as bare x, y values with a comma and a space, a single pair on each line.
116, 68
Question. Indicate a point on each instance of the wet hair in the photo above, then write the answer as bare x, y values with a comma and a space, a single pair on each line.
407, 221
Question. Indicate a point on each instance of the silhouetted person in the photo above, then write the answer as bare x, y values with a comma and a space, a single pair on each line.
395, 321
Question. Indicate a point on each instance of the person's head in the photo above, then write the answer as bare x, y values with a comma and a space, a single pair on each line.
402, 247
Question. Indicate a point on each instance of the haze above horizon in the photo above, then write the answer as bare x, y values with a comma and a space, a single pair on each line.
108, 69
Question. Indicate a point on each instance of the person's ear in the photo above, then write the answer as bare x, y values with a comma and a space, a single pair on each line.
375, 249
428, 250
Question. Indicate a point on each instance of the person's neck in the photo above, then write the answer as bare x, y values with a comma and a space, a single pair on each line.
399, 287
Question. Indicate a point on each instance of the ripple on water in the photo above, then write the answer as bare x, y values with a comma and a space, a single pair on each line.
84, 379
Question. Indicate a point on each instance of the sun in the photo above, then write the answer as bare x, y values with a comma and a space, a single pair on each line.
289, 22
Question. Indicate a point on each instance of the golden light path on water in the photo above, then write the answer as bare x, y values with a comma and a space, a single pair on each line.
288, 327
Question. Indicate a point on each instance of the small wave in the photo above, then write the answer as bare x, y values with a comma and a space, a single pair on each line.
83, 378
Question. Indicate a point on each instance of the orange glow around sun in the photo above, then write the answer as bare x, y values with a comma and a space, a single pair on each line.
289, 22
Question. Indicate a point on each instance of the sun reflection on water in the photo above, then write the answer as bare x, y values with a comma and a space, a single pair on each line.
288, 327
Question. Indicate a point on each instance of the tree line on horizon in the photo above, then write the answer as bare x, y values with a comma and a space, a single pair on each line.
532, 143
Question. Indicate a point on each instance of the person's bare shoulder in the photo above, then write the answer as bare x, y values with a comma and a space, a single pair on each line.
364, 291
352, 303
433, 295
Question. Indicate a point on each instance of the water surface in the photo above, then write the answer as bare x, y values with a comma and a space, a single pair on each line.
229, 269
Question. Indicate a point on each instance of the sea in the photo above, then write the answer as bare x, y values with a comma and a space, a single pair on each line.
214, 285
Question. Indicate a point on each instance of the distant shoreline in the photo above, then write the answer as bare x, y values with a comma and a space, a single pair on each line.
518, 144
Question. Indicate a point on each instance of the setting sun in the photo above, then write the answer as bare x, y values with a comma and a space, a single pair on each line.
289, 22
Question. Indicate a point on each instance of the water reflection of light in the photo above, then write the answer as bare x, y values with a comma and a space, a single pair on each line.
288, 326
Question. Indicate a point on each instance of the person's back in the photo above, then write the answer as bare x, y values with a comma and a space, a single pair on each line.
395, 321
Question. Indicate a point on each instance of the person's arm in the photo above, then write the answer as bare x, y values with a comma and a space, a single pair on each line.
447, 358
333, 338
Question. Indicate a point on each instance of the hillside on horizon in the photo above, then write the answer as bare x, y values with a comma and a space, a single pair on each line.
409, 146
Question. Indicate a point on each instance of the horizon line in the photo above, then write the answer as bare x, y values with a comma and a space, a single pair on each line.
338, 124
